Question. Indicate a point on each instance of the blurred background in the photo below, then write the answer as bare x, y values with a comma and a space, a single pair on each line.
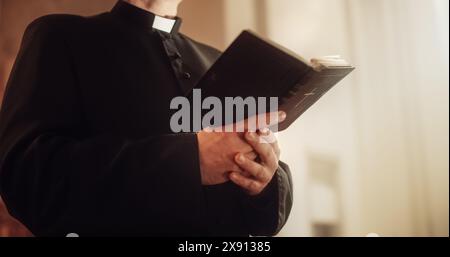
372, 155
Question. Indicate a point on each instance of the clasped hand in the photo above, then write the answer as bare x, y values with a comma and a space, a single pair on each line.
249, 159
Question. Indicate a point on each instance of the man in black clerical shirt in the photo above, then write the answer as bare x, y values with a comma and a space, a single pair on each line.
85, 139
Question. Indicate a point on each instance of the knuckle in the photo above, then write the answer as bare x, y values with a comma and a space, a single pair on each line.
253, 186
259, 170
249, 184
264, 176
253, 137
269, 177
270, 158
239, 180
273, 165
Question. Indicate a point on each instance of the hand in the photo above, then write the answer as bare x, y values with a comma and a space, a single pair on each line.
257, 176
217, 151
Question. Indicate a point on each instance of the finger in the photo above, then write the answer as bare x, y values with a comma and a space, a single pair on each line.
267, 136
235, 168
252, 186
255, 122
276, 149
251, 156
246, 174
264, 150
255, 169
264, 131
238, 141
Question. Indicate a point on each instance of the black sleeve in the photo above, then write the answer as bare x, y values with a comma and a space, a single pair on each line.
267, 213
232, 212
56, 180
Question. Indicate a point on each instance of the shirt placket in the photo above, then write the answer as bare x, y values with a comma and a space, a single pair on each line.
181, 72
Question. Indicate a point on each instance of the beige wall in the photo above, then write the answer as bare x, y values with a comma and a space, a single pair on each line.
15, 15
326, 133
403, 113
204, 21
385, 127
384, 130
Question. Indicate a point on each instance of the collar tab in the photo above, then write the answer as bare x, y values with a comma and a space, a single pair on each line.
146, 19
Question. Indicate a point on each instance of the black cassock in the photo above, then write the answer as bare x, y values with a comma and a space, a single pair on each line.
85, 140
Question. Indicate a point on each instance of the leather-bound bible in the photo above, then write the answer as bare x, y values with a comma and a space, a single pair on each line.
256, 67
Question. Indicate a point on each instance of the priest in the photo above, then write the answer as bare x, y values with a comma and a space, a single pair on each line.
85, 139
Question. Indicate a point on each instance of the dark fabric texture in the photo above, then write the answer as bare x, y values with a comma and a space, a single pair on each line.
85, 141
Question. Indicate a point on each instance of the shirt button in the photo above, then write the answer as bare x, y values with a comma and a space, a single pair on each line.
175, 56
187, 75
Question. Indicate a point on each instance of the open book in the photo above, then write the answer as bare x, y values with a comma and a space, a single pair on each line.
255, 67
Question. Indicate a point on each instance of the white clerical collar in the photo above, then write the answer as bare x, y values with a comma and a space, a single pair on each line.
163, 24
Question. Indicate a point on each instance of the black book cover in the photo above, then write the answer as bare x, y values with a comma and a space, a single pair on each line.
254, 67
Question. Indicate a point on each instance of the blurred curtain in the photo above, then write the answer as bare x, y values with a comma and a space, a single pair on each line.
401, 49
385, 127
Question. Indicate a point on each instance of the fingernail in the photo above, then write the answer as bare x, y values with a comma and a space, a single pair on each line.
281, 116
